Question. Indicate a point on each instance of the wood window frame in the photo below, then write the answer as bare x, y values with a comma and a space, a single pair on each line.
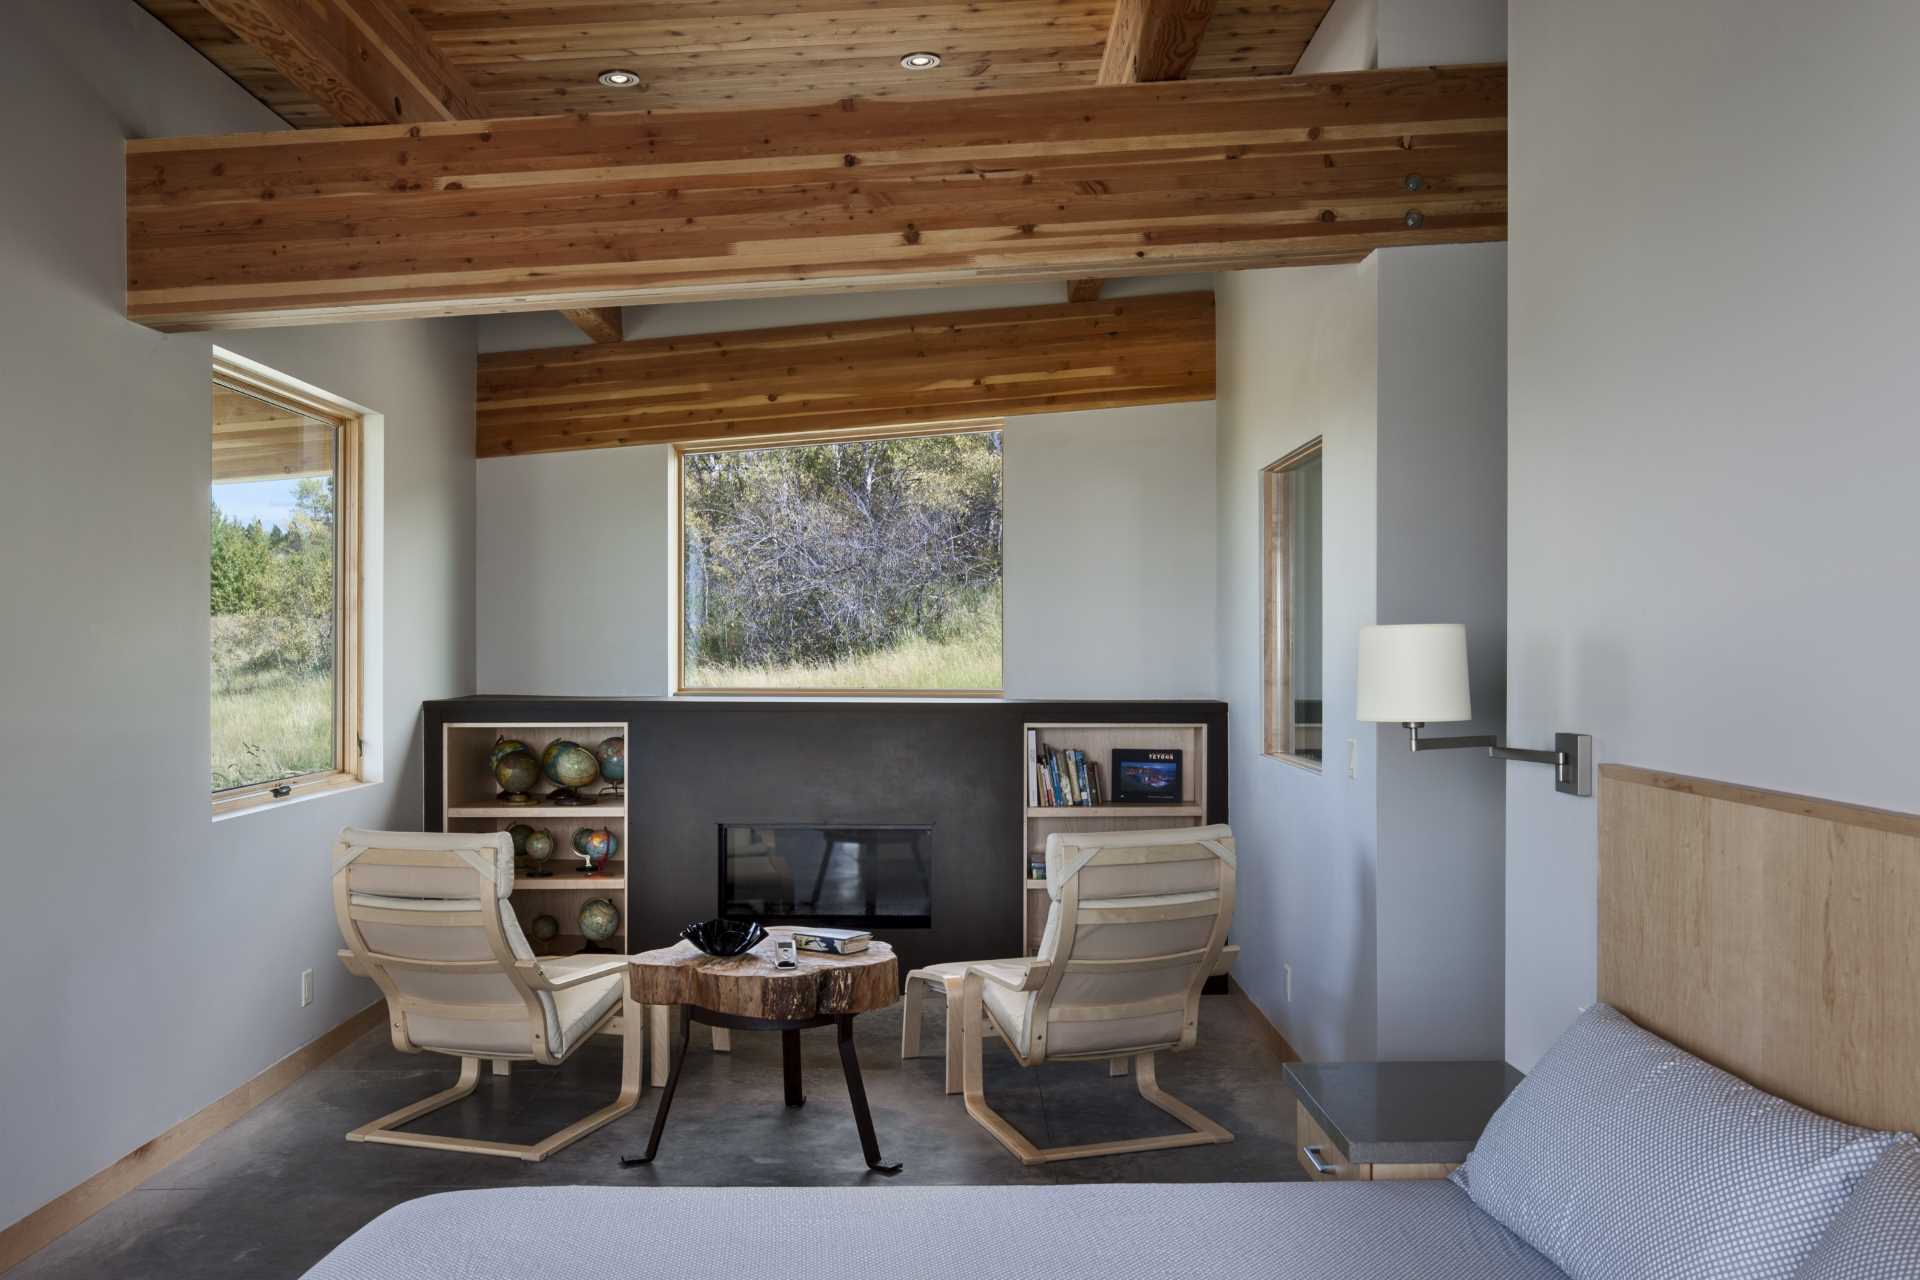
1276, 611
676, 505
349, 655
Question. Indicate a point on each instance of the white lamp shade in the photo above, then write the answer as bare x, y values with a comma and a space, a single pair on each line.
1414, 674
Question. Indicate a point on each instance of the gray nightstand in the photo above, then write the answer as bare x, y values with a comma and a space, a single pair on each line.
1371, 1121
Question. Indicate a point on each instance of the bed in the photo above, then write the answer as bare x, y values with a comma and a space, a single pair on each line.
1770, 935
1275, 1231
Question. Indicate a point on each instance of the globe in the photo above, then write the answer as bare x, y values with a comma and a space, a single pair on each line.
595, 845
599, 919
544, 929
613, 764
571, 766
516, 771
539, 844
503, 745
520, 831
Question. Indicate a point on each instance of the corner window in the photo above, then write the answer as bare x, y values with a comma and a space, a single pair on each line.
285, 627
1290, 597
868, 565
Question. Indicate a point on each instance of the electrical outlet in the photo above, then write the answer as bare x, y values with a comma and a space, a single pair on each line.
1353, 758
1289, 971
306, 987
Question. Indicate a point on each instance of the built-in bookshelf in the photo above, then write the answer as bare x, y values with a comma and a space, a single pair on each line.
1096, 743
471, 803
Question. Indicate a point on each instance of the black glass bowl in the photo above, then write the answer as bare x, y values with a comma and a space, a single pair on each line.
718, 937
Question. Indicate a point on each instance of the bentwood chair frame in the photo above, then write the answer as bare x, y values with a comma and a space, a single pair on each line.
1058, 981
497, 999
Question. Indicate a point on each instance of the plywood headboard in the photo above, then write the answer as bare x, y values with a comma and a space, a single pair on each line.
1774, 935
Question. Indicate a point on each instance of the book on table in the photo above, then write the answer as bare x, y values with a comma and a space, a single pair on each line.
832, 942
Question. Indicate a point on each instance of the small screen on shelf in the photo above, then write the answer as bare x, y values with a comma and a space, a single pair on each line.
1146, 776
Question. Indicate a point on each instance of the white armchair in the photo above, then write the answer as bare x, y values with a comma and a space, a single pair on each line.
427, 917
1137, 923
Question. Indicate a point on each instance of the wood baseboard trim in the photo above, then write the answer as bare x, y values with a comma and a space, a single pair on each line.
66, 1211
1260, 1018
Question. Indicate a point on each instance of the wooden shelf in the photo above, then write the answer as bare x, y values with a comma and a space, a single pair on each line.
612, 876
497, 810
572, 944
470, 803
1117, 811
1099, 741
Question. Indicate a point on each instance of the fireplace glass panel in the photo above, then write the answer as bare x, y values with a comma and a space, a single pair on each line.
844, 876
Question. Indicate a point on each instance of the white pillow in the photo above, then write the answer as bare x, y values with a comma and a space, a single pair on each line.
1623, 1157
1877, 1236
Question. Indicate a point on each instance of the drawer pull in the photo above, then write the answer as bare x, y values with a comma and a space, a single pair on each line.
1320, 1166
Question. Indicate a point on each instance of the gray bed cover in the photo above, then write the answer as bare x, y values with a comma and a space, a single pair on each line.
1142, 1231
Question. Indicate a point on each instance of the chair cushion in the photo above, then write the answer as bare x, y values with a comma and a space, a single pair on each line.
1622, 1155
1877, 1235
1011, 1010
578, 1008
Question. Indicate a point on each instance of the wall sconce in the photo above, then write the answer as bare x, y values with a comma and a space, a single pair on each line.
1416, 675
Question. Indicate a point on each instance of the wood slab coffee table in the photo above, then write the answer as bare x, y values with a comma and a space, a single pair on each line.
747, 993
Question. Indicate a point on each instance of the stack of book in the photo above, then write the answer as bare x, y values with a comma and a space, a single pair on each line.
832, 942
1061, 777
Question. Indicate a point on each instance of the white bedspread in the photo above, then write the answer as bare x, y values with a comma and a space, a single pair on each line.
1261, 1231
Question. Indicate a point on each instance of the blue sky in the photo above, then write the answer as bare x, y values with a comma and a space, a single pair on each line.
268, 501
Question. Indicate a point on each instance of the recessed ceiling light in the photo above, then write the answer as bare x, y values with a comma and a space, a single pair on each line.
920, 61
618, 79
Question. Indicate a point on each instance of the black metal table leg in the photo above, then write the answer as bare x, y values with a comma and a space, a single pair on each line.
666, 1096
857, 1094
790, 1067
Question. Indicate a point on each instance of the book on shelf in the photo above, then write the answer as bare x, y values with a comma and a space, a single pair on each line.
1033, 772
832, 942
1062, 777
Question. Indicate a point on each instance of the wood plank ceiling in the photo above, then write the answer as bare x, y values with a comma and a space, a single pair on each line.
523, 58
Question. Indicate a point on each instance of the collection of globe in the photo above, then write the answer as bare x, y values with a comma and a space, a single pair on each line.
595, 845
599, 920
569, 767
565, 763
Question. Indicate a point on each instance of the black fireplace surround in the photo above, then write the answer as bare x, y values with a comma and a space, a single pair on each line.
949, 767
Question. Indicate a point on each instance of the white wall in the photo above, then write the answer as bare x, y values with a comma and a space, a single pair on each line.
1130, 489
1382, 890
155, 954
1438, 33
1714, 459
575, 573
1110, 553
1713, 425
1443, 554
1297, 356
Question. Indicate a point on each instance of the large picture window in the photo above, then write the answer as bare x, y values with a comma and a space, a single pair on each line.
854, 566
1291, 616
284, 564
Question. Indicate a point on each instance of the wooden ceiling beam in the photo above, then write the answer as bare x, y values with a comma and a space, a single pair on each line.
559, 212
896, 371
602, 324
371, 62
1148, 40
364, 61
1153, 40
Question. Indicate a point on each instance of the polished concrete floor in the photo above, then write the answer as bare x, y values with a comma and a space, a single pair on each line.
270, 1196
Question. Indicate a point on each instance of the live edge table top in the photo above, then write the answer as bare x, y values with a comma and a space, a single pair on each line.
750, 986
